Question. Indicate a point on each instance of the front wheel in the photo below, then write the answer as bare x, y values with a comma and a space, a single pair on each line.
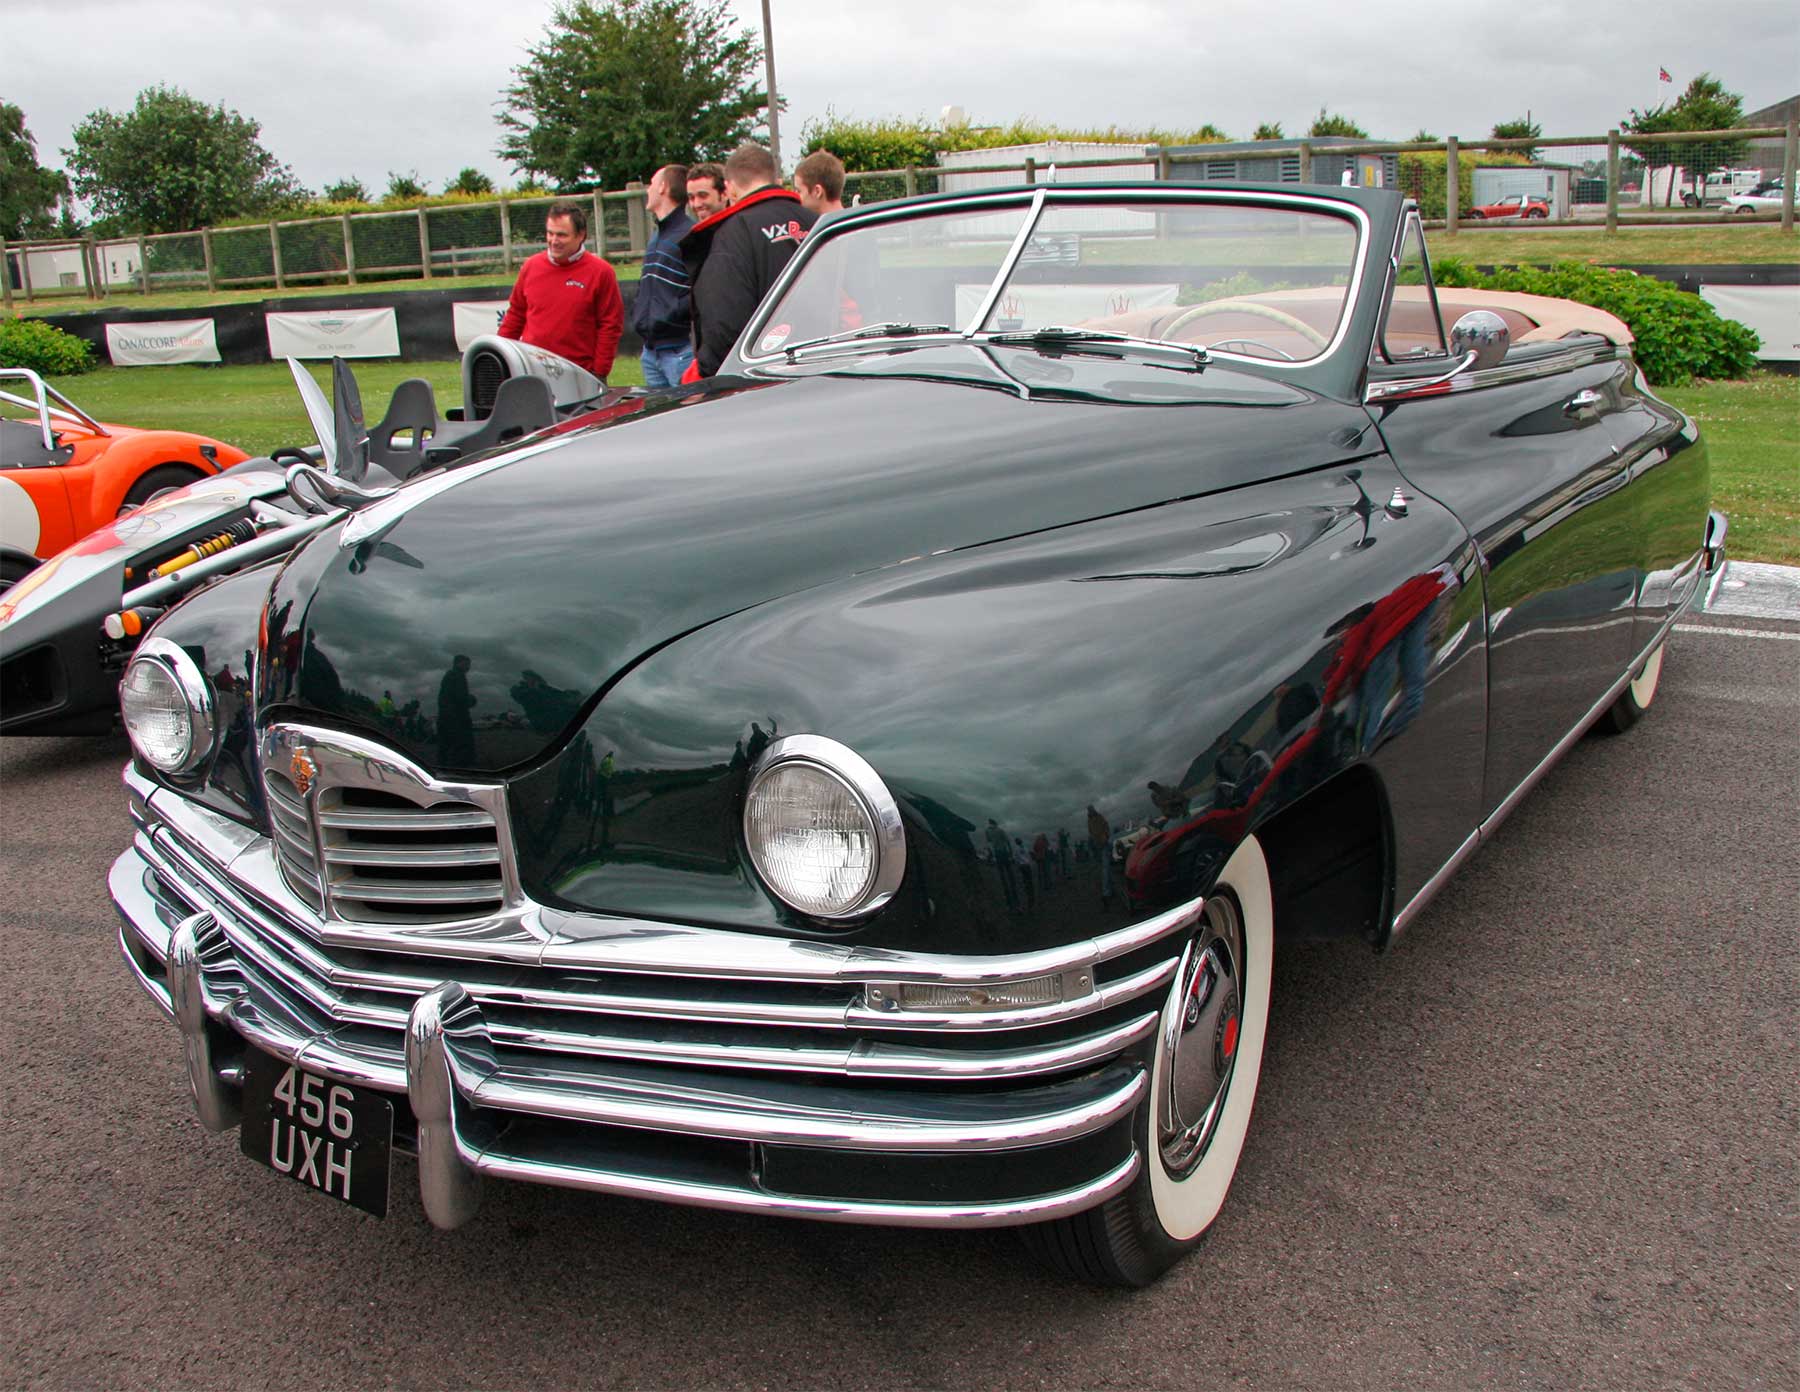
1191, 1128
1635, 699
164, 478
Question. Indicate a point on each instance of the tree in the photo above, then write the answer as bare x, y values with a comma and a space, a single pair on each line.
470, 180
28, 192
620, 87
1269, 130
1329, 123
173, 163
1524, 128
402, 187
1704, 106
348, 190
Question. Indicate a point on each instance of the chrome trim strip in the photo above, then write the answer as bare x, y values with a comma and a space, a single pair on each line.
1488, 827
1380, 393
1007, 265
1127, 988
1009, 1213
1429, 890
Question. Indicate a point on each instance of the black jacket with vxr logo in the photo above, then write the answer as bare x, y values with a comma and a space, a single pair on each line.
733, 258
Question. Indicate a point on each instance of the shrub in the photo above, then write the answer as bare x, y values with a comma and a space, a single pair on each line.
1679, 335
894, 143
43, 348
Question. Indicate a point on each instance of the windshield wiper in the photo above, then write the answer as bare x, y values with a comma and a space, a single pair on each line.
890, 329
1099, 340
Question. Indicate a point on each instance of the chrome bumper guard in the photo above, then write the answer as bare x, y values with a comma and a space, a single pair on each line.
213, 943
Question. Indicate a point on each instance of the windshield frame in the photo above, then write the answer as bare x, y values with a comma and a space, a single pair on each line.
1035, 201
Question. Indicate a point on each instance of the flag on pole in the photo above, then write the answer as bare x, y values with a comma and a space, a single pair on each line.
1662, 75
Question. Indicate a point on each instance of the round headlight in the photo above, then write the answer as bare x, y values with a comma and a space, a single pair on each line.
167, 706
823, 831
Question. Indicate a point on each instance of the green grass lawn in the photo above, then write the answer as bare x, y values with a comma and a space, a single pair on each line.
1758, 243
1749, 425
1749, 428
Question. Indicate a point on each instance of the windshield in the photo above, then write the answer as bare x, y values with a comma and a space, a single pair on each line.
1262, 281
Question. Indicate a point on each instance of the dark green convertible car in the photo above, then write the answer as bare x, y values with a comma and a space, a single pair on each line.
872, 784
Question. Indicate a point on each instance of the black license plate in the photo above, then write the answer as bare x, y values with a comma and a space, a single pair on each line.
327, 1135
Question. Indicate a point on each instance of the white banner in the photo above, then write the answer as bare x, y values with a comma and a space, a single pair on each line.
163, 341
1772, 310
1071, 304
470, 319
335, 333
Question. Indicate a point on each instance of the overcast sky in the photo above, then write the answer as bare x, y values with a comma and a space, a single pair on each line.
362, 87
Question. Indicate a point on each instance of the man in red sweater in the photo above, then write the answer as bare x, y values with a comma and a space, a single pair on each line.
566, 299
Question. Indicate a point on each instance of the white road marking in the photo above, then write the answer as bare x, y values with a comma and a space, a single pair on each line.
1724, 632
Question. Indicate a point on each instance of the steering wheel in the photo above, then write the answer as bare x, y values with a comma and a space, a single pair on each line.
1242, 343
1252, 308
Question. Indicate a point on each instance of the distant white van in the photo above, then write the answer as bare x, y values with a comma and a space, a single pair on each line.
1722, 184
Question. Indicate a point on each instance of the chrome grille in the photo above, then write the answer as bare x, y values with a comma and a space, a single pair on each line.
291, 824
389, 860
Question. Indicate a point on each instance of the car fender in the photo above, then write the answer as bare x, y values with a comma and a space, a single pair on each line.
134, 455
1006, 690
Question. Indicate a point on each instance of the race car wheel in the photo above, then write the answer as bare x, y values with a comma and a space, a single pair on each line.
1536, 212
12, 571
1208, 1054
164, 478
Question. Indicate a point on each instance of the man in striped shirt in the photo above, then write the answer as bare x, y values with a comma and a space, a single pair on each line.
663, 314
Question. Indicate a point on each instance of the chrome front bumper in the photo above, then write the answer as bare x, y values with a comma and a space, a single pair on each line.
873, 1127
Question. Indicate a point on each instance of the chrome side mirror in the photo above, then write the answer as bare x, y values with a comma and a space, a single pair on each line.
1482, 333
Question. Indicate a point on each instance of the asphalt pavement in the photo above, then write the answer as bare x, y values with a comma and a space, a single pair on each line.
1547, 1141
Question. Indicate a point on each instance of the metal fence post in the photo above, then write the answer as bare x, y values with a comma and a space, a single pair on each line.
1790, 156
506, 236
5, 276
424, 244
1030, 170
349, 251
637, 231
143, 266
275, 253
1452, 184
1306, 161
212, 277
1612, 180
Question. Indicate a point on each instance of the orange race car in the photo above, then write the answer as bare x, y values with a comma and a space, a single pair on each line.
62, 473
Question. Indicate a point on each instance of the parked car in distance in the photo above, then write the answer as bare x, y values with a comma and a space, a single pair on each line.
736, 826
1764, 198
63, 473
1514, 205
1722, 185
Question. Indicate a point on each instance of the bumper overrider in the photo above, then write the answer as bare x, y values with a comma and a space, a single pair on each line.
648, 1059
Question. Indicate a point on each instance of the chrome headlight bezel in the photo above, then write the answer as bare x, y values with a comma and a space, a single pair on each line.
856, 776
172, 660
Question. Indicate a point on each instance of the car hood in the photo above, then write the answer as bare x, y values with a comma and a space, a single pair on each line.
473, 623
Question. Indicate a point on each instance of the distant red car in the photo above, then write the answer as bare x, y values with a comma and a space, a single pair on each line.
62, 473
1512, 206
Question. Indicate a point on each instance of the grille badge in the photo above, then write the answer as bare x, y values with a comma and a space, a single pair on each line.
302, 770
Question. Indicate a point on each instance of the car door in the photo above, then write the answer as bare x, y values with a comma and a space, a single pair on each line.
1526, 459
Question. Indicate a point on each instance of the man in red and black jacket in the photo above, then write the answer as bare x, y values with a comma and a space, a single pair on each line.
734, 256
566, 298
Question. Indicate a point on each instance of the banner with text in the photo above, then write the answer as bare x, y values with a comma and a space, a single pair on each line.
161, 341
470, 319
337, 333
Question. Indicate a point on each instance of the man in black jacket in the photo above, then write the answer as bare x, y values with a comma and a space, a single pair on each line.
734, 256
662, 315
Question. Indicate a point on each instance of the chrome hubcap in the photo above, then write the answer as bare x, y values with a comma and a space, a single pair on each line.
1200, 1038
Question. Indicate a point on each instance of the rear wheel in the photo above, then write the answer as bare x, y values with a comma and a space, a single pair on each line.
1536, 212
1635, 699
1191, 1128
164, 478
12, 571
